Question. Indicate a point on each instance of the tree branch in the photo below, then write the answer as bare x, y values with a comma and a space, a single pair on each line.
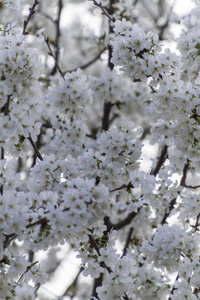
1, 175
104, 12
72, 287
56, 56
84, 66
173, 201
160, 162
185, 170
128, 240
51, 54
37, 152
173, 288
106, 114
168, 212
31, 13
122, 223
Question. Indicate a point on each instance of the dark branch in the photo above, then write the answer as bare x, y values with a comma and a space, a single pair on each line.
104, 12
173, 288
160, 162
73, 286
96, 247
56, 57
110, 49
6, 111
122, 223
42, 222
192, 186
106, 115
128, 186
128, 240
173, 201
51, 54
37, 152
97, 282
2, 157
185, 170
167, 213
197, 222
31, 13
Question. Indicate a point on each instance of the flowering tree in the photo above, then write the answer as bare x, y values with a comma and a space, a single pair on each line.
78, 111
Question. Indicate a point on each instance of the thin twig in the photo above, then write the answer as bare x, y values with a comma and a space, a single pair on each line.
197, 222
98, 281
73, 286
51, 54
42, 221
96, 247
160, 161
37, 152
31, 13
27, 270
1, 175
185, 170
173, 288
128, 240
110, 49
104, 12
168, 212
173, 201
6, 111
183, 179
60, 6
128, 186
84, 66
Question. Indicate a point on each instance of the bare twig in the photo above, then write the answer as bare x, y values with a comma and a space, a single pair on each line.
128, 186
168, 211
160, 162
27, 269
52, 55
72, 287
128, 240
84, 66
4, 109
183, 179
197, 222
42, 221
173, 288
185, 170
96, 247
106, 115
31, 13
9, 239
2, 157
122, 223
37, 152
98, 281
104, 12
173, 201
57, 22
192, 186
110, 49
